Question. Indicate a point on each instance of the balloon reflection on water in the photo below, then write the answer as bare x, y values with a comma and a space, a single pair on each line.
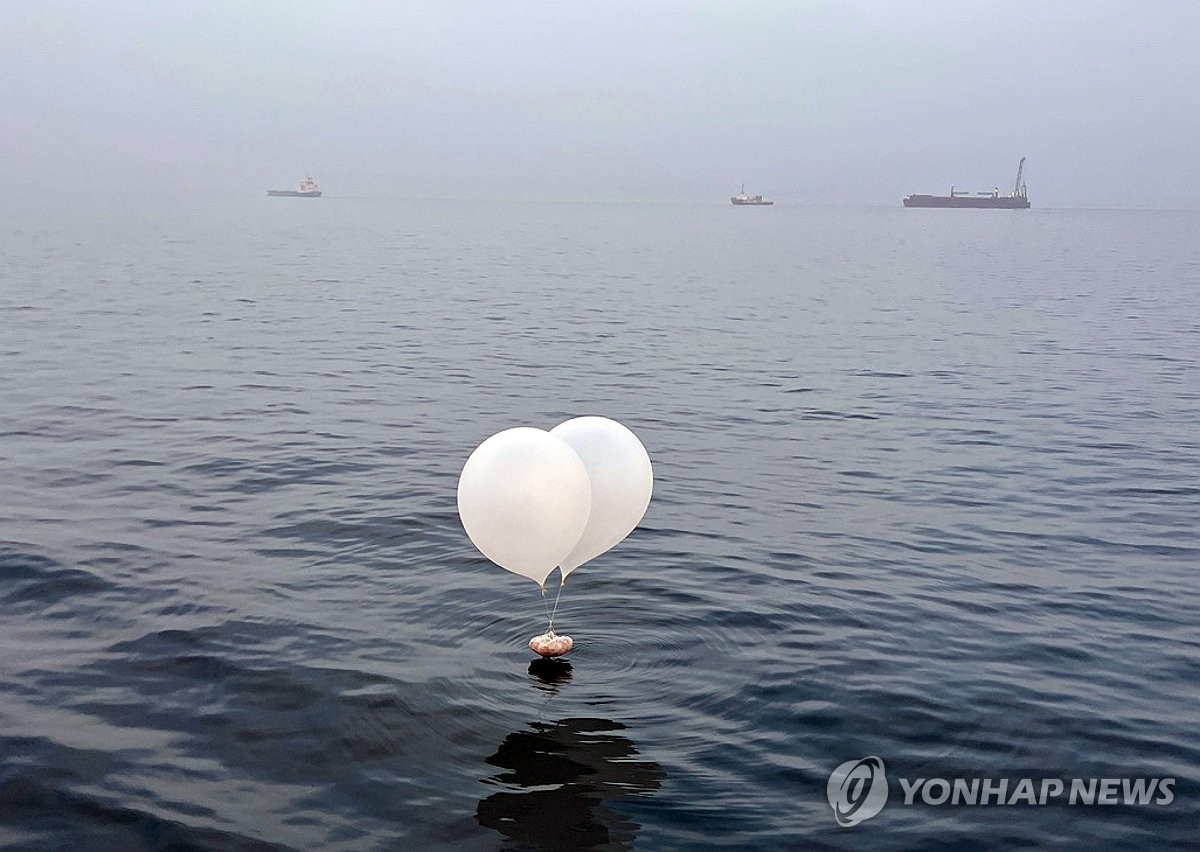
560, 779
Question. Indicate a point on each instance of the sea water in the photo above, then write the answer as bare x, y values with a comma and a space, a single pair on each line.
927, 485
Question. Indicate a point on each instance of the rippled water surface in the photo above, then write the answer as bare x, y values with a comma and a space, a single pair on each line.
927, 485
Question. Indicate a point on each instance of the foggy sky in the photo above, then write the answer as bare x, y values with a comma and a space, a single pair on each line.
804, 100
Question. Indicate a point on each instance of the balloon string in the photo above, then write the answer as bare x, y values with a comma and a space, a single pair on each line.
556, 599
546, 606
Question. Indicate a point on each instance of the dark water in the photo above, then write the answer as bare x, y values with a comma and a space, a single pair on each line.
927, 489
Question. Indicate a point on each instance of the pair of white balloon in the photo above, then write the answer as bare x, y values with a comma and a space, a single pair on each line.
533, 501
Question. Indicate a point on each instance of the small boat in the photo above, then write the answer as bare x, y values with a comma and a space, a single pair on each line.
308, 189
756, 200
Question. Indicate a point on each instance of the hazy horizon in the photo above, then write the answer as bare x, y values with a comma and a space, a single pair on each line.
806, 102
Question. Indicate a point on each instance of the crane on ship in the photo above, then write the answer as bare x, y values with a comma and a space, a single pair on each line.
1019, 187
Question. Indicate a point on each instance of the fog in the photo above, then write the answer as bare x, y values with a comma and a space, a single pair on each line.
807, 102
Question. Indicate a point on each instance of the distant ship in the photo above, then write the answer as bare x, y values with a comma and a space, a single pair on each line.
308, 189
1015, 200
756, 200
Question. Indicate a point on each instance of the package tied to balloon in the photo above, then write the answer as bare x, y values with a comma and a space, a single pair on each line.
550, 644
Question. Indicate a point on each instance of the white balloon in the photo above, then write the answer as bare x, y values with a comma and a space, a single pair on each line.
524, 500
622, 479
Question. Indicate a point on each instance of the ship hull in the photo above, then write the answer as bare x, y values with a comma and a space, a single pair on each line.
293, 193
751, 203
968, 202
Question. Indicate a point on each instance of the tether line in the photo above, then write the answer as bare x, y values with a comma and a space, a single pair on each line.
556, 599
546, 606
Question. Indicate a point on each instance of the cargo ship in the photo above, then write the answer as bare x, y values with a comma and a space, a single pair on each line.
308, 189
753, 200
1018, 199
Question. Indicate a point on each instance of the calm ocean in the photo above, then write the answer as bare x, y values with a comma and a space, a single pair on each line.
927, 489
